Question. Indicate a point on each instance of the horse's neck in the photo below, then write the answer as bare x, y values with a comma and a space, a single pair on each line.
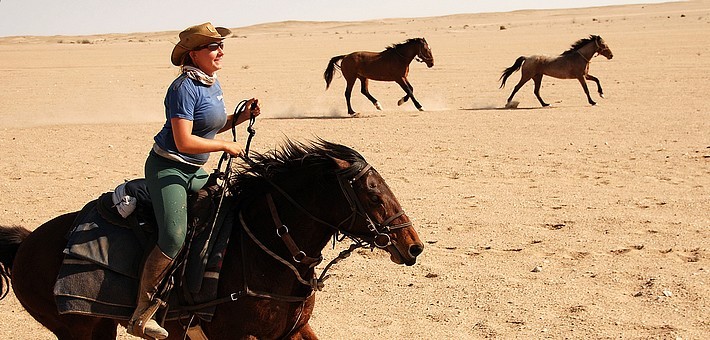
406, 52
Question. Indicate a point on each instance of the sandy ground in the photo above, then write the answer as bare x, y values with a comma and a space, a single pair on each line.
611, 202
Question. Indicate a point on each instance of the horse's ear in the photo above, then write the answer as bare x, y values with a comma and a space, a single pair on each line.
342, 165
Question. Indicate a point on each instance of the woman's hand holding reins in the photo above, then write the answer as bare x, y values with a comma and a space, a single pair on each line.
232, 148
252, 108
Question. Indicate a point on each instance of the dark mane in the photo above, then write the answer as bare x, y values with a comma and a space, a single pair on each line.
408, 41
579, 44
316, 156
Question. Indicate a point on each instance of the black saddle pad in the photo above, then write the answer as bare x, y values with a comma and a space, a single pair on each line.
100, 272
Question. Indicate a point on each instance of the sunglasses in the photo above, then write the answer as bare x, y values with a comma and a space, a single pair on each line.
211, 46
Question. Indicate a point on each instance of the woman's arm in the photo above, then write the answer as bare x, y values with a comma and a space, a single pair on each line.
188, 143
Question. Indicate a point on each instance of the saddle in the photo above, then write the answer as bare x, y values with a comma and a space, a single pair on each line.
130, 206
110, 238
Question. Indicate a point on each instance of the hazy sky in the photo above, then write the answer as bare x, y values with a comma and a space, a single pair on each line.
79, 17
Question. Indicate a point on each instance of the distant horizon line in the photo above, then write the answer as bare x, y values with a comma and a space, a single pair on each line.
630, 3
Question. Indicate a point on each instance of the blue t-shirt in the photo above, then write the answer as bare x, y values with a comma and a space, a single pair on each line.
203, 105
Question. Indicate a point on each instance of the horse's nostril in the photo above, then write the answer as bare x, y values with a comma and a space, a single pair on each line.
416, 249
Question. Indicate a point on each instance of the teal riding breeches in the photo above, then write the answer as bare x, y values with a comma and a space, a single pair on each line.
169, 183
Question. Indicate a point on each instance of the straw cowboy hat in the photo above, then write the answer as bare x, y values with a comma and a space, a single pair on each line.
196, 36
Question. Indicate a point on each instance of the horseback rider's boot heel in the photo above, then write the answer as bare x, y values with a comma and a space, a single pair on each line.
142, 323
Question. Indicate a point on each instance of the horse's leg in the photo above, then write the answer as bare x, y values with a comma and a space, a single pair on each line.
88, 328
105, 329
538, 82
406, 96
599, 86
78, 327
364, 90
586, 89
408, 89
523, 79
348, 93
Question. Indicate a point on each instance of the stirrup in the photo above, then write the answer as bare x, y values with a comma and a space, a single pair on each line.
144, 321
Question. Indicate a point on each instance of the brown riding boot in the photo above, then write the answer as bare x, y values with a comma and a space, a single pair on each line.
154, 270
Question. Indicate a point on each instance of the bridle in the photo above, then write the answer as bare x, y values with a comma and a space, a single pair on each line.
379, 238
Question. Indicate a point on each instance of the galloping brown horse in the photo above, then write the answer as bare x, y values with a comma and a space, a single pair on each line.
392, 64
316, 191
571, 64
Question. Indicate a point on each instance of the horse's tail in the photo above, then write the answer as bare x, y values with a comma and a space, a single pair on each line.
328, 74
10, 240
510, 70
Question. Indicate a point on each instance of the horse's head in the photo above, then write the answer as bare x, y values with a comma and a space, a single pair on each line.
378, 218
602, 47
424, 53
346, 195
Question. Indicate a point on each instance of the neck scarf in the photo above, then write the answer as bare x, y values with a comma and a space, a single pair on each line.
199, 75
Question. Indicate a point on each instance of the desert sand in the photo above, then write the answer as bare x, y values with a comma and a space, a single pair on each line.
611, 203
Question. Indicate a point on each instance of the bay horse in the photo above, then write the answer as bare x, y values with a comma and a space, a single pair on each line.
571, 64
310, 192
392, 64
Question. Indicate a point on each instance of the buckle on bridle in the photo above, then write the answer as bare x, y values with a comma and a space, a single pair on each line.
299, 257
284, 228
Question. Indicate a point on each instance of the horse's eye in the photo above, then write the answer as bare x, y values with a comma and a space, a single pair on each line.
375, 199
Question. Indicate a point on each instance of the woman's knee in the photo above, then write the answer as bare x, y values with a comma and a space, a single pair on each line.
171, 243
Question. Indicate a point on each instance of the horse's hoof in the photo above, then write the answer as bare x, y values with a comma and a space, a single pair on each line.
593, 103
378, 106
354, 114
601, 95
545, 104
420, 108
512, 105
400, 102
